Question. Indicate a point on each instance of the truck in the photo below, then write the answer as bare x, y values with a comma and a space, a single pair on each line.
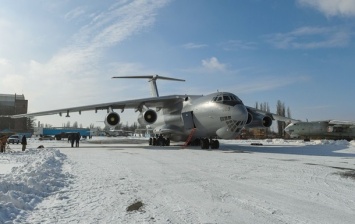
60, 133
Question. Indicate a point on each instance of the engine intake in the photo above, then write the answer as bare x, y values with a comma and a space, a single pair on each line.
256, 120
112, 119
148, 117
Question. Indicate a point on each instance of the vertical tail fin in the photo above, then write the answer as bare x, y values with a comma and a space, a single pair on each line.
152, 80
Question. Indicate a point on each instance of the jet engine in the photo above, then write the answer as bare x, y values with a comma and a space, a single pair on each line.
256, 120
112, 119
148, 117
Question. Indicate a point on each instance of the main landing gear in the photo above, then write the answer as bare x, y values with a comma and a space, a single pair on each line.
205, 143
159, 141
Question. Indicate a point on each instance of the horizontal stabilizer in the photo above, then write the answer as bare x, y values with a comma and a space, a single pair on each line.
150, 77
152, 80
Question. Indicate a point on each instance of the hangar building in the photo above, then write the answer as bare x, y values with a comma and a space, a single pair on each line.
10, 105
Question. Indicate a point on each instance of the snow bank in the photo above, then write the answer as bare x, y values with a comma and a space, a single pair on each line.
331, 142
28, 184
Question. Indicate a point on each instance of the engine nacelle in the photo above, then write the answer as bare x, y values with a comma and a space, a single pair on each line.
112, 119
256, 120
148, 117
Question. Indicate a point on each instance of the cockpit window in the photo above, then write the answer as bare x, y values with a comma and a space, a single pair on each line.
227, 98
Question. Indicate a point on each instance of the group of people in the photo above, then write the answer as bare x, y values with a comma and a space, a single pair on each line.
3, 142
74, 137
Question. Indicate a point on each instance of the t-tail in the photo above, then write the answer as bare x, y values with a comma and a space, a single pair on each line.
152, 79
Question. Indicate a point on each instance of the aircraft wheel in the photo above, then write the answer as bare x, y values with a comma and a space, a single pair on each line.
160, 141
197, 142
205, 144
150, 141
215, 144
202, 143
167, 142
154, 141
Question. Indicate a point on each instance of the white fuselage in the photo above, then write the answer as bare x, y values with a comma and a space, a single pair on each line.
211, 117
320, 129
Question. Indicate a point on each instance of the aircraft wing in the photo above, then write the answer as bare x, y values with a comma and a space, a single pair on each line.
342, 123
272, 115
138, 104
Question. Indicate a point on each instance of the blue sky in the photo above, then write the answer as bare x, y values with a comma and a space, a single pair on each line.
64, 53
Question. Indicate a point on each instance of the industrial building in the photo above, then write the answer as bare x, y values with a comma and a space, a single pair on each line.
13, 104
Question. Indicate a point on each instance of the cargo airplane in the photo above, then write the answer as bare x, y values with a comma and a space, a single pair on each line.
330, 129
196, 119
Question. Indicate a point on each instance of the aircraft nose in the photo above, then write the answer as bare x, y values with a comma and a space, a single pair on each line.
288, 129
240, 112
233, 123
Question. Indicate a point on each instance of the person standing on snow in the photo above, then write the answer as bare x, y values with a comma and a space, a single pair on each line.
72, 139
24, 143
3, 142
77, 139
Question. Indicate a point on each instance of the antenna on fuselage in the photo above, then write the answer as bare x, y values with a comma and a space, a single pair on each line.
152, 80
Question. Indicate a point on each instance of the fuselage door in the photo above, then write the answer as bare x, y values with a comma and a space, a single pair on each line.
188, 119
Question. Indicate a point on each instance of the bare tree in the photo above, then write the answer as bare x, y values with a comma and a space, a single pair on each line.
280, 107
30, 123
288, 112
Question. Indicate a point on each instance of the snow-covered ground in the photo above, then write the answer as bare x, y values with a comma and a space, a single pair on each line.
276, 182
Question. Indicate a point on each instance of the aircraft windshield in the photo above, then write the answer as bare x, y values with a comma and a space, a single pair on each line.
227, 98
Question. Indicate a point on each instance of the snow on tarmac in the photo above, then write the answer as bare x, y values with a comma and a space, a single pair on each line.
278, 181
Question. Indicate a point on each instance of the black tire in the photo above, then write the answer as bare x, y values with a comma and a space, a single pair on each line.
215, 144
154, 141
161, 141
150, 141
205, 143
196, 142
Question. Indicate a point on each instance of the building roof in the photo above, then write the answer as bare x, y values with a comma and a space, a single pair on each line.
9, 99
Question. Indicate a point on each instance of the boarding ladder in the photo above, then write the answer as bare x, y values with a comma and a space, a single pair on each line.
189, 138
